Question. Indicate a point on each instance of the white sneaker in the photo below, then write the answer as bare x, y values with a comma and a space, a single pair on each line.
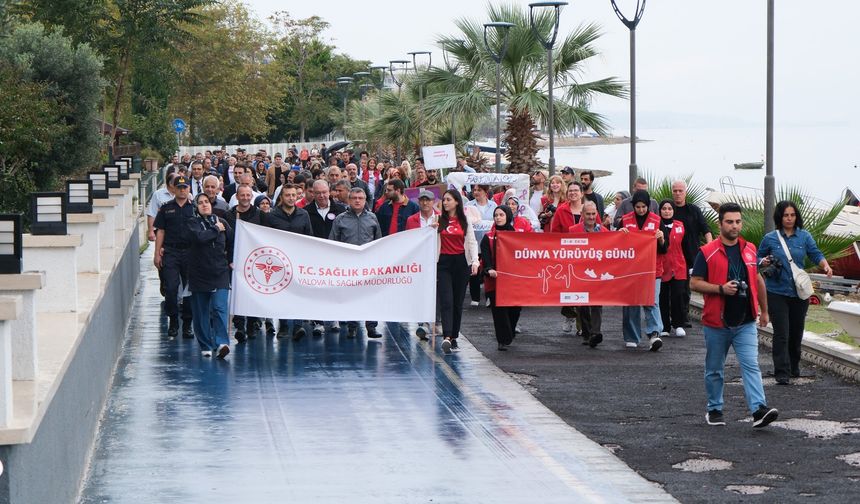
475, 303
664, 334
335, 326
318, 330
487, 302
680, 332
517, 330
568, 324
206, 353
630, 344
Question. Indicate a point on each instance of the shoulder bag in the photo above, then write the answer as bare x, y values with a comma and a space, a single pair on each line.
802, 281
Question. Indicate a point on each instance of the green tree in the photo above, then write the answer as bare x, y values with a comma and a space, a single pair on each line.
468, 90
71, 78
226, 85
309, 69
81, 20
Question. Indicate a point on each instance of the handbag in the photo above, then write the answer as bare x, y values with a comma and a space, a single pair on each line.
802, 281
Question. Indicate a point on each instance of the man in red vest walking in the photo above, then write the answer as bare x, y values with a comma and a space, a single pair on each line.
726, 273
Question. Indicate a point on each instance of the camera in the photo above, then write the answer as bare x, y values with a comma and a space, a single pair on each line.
772, 269
546, 216
742, 288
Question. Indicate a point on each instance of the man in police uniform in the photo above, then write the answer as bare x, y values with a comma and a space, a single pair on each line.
171, 254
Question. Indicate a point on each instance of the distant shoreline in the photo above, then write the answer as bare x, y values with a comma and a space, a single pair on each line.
587, 141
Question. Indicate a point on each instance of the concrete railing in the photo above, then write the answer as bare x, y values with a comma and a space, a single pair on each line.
62, 325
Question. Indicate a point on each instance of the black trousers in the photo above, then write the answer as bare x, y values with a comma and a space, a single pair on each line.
452, 276
788, 316
174, 273
245, 324
673, 309
591, 318
505, 320
475, 287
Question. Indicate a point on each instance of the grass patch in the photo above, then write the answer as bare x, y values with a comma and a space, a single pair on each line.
844, 338
819, 321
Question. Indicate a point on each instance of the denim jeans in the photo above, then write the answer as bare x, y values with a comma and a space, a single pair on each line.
744, 339
632, 318
210, 318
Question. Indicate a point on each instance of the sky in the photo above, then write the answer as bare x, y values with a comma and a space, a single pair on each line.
697, 62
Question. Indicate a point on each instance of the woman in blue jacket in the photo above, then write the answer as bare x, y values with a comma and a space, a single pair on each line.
787, 311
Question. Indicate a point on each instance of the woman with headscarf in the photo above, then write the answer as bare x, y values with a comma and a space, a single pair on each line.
505, 318
642, 219
209, 277
609, 218
520, 223
672, 282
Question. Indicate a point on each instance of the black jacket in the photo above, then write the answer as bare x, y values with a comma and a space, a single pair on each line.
298, 222
208, 267
386, 211
322, 227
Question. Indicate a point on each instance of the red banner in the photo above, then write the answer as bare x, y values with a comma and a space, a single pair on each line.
558, 269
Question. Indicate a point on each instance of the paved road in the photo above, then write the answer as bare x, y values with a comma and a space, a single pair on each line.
649, 409
338, 420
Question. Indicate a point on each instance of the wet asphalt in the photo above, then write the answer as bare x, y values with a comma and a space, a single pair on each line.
648, 408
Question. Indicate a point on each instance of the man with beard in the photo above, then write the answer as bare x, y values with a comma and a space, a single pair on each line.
586, 178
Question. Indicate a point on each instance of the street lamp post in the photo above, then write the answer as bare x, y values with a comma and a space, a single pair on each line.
362, 89
452, 68
497, 57
415, 55
344, 83
403, 64
769, 181
382, 69
631, 25
548, 44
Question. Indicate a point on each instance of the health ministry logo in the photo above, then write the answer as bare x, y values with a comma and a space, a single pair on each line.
268, 270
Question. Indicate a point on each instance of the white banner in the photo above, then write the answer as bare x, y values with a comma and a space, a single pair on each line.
290, 276
438, 157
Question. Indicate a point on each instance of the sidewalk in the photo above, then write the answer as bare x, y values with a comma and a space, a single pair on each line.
331, 419
649, 409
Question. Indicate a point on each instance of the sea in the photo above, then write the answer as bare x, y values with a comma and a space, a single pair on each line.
823, 161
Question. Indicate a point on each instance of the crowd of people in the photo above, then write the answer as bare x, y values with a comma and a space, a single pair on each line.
354, 198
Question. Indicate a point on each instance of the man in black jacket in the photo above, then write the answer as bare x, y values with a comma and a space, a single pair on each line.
322, 211
397, 208
230, 189
286, 216
246, 327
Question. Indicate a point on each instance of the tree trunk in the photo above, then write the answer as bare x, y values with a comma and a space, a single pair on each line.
521, 136
120, 84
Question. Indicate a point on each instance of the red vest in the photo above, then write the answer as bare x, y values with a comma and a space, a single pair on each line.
674, 264
718, 273
651, 225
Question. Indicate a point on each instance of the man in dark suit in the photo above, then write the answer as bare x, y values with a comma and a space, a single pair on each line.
322, 211
230, 189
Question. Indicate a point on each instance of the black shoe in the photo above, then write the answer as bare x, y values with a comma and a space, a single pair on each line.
454, 345
595, 340
503, 347
421, 332
585, 338
446, 345
282, 334
350, 332
783, 381
187, 333
318, 330
252, 333
270, 329
656, 342
373, 333
172, 326
715, 417
240, 336
764, 415
298, 334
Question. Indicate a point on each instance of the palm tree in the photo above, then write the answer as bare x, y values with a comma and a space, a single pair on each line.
468, 89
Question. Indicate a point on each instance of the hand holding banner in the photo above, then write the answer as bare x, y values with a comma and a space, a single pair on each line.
557, 269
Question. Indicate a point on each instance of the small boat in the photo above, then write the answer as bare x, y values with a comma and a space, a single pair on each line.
749, 166
847, 314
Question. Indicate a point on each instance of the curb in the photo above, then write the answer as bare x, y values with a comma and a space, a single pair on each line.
832, 355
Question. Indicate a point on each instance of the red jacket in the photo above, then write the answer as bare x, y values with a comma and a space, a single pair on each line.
522, 225
674, 264
718, 273
580, 228
562, 220
651, 225
414, 220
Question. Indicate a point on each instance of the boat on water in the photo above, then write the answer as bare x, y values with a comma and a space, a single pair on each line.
749, 166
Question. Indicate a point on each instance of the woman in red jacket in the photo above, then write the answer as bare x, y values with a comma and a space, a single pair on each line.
672, 290
641, 219
569, 212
